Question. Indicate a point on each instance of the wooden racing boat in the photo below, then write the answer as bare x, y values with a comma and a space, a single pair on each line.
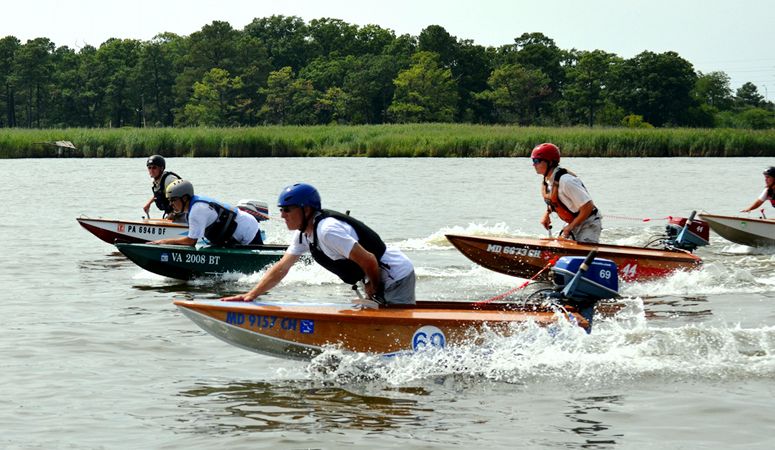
184, 262
743, 230
112, 230
302, 330
525, 257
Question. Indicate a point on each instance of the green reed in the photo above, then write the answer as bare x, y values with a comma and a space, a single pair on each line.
414, 140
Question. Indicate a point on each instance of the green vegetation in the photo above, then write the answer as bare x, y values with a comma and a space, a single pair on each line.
410, 140
282, 70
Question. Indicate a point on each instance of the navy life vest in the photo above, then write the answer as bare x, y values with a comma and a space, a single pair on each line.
159, 196
771, 196
552, 198
349, 271
221, 231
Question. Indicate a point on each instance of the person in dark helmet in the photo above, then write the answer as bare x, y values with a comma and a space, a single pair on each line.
221, 224
161, 180
342, 245
565, 194
768, 194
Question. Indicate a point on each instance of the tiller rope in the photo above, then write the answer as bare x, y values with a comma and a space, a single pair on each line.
521, 286
639, 219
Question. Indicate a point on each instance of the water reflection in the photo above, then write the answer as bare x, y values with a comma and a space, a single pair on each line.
305, 407
692, 307
585, 413
109, 262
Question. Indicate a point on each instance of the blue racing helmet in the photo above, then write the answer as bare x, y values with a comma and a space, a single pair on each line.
299, 194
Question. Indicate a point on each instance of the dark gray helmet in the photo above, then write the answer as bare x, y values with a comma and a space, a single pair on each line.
156, 160
179, 188
770, 172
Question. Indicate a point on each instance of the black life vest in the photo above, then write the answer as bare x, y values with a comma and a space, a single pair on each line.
220, 232
552, 198
159, 196
771, 196
346, 269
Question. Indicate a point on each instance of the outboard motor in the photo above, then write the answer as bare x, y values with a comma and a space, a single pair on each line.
580, 282
259, 210
687, 234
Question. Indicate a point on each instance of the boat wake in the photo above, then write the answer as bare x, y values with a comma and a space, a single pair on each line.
621, 350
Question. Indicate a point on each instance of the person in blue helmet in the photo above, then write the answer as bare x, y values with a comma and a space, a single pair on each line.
768, 194
342, 245
221, 224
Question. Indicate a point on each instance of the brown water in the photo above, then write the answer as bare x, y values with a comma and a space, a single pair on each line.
94, 354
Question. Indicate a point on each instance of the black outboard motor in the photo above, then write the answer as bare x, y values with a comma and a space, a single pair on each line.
581, 282
687, 234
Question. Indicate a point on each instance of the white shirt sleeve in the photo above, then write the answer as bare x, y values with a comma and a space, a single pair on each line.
572, 192
295, 248
763, 197
200, 215
337, 238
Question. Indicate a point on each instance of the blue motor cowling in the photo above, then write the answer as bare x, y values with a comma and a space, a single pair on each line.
600, 279
687, 234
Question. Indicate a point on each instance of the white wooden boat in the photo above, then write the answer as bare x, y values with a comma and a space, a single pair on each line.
743, 230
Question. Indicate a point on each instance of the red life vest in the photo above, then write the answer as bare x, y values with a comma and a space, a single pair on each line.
552, 198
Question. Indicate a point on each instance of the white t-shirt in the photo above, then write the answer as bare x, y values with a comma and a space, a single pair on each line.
572, 193
337, 240
764, 197
201, 215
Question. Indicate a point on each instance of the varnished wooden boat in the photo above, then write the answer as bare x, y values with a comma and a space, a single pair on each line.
524, 257
302, 330
743, 230
184, 262
136, 231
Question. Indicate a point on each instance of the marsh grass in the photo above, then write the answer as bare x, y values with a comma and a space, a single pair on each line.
415, 140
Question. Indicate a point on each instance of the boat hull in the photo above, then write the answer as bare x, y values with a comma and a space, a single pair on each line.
183, 262
525, 257
133, 231
301, 331
743, 230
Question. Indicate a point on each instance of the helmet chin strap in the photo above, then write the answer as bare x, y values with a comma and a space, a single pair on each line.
304, 223
549, 168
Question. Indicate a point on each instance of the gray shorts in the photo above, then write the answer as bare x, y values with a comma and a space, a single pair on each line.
589, 230
401, 292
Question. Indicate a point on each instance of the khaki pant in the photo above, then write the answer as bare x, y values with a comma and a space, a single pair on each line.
589, 230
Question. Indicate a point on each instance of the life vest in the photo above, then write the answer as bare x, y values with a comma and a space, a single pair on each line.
159, 195
552, 198
221, 231
349, 271
771, 196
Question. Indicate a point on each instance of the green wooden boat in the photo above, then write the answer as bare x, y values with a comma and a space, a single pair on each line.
184, 262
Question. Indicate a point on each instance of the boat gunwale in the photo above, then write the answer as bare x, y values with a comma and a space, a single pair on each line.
147, 222
379, 314
764, 221
618, 250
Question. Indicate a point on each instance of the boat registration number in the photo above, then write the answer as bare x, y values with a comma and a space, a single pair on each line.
191, 258
303, 326
516, 251
141, 229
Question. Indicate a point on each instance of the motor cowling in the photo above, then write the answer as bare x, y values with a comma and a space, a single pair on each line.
687, 233
257, 209
599, 281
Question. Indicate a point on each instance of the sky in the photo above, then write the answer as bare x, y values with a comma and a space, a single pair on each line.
733, 36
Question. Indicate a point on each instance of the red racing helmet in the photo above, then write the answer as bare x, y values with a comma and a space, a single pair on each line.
547, 152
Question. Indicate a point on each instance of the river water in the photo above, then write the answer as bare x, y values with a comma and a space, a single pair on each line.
95, 355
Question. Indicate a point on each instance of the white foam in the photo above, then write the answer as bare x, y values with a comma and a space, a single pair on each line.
438, 239
620, 350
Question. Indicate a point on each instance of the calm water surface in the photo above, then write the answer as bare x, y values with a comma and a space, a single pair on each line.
96, 356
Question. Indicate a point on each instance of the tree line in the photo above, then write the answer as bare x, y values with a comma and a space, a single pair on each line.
281, 70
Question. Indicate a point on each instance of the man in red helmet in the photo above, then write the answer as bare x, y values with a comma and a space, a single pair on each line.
565, 194
768, 193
